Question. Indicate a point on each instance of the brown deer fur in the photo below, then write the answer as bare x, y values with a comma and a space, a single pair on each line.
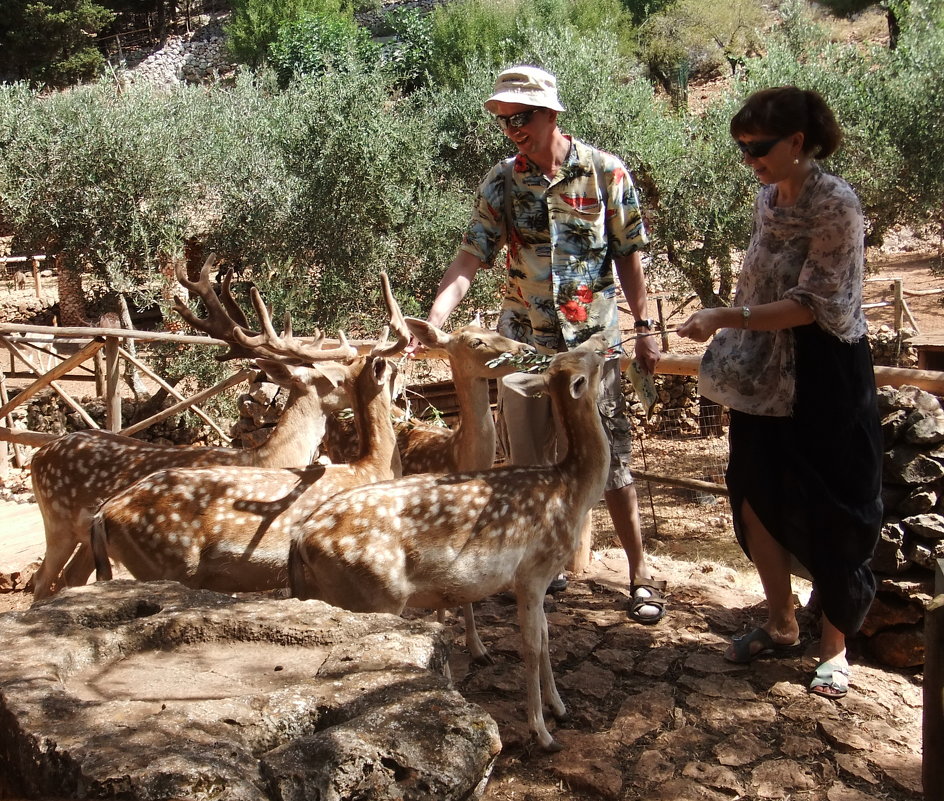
73, 475
227, 528
444, 540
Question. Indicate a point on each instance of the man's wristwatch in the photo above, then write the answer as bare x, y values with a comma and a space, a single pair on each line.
647, 324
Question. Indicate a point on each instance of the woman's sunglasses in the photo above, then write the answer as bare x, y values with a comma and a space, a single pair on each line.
518, 120
758, 149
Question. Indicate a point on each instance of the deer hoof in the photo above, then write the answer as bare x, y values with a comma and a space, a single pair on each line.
551, 746
483, 659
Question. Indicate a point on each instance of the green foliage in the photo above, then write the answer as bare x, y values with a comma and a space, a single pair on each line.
320, 42
885, 103
847, 8
366, 179
470, 30
51, 42
691, 37
495, 33
254, 25
408, 53
91, 172
311, 189
640, 10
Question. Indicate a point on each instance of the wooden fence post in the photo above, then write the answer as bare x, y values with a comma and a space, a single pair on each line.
37, 279
112, 385
899, 300
932, 769
665, 336
17, 454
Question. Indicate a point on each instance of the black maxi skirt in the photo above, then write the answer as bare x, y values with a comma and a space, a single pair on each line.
814, 479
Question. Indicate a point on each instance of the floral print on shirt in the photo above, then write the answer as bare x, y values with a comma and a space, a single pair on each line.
812, 252
559, 288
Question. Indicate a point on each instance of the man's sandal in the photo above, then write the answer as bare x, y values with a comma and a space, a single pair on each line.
647, 592
744, 651
830, 680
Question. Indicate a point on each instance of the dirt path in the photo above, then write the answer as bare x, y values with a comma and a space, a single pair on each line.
656, 712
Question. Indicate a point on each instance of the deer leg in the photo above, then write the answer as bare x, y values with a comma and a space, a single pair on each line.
473, 642
80, 566
58, 551
531, 621
99, 549
549, 692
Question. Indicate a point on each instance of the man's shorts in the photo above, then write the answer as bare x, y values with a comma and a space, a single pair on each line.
527, 432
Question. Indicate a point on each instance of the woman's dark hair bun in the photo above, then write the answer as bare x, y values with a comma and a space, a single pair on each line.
784, 110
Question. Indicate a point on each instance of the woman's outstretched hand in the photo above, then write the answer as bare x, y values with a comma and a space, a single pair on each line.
701, 325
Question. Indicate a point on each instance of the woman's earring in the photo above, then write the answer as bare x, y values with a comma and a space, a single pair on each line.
796, 161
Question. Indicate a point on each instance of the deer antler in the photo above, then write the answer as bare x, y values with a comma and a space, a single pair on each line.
224, 318
230, 303
289, 346
397, 324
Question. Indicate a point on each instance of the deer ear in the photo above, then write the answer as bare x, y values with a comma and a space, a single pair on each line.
578, 386
528, 384
427, 333
277, 372
381, 369
336, 373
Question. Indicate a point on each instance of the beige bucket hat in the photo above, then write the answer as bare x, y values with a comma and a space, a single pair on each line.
529, 86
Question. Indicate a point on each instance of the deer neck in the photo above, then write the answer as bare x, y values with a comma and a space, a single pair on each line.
473, 443
586, 461
378, 442
296, 437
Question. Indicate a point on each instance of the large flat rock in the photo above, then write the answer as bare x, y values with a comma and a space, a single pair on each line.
153, 691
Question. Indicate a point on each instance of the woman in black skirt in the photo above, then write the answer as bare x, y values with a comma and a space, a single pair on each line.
791, 360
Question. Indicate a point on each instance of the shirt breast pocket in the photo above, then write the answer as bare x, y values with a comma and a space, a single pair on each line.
582, 207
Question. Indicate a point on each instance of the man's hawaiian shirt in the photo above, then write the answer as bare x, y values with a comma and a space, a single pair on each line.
560, 287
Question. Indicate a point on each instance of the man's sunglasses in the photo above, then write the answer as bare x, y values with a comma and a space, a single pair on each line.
760, 148
518, 120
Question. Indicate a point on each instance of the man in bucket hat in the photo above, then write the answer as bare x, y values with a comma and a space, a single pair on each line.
568, 214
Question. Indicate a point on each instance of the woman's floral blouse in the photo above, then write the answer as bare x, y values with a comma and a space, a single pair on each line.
812, 252
559, 288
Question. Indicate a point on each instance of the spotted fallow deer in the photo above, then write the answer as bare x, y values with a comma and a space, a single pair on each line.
75, 473
443, 540
470, 444
227, 528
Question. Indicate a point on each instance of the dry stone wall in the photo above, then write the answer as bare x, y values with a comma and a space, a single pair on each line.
912, 537
199, 57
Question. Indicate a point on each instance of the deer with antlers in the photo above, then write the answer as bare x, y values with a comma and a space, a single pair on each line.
444, 540
227, 528
470, 444
75, 473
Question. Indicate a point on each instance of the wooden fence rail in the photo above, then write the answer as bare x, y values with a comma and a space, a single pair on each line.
93, 341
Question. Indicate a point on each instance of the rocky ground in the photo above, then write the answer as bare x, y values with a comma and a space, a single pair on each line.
657, 713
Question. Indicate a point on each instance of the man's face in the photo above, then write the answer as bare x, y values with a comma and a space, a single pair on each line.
535, 134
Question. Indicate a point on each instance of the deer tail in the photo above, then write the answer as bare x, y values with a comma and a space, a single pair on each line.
100, 548
297, 575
